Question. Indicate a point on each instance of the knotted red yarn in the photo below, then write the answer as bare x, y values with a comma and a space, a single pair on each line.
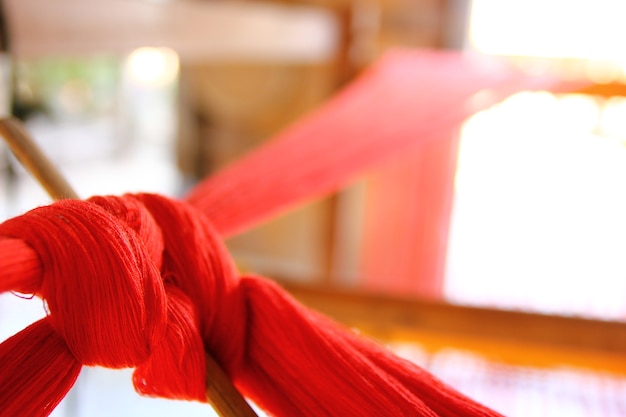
144, 281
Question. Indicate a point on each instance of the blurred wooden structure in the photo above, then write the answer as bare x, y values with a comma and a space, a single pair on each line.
230, 106
196, 30
512, 337
248, 69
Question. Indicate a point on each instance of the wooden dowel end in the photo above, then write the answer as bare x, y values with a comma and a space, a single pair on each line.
33, 159
222, 394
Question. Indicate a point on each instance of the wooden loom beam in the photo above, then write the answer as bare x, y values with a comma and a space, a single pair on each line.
514, 337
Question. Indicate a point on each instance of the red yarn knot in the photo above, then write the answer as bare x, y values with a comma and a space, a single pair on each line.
138, 281
103, 292
112, 306
205, 309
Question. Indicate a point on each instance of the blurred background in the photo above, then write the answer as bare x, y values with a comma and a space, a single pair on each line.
523, 209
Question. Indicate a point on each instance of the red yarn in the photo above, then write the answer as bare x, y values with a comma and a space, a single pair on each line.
21, 270
144, 281
110, 306
84, 292
37, 370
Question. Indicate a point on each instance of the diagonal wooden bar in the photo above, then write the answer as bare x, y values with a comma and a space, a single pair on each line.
220, 391
34, 160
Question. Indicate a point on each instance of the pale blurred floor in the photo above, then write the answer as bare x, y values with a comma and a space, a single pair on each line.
517, 391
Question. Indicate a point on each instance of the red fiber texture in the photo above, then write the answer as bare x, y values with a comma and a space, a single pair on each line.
144, 281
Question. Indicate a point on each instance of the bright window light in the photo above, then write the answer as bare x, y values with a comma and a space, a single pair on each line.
589, 29
538, 220
539, 208
152, 66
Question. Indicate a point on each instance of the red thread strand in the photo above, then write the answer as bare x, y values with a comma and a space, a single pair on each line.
403, 101
20, 266
37, 371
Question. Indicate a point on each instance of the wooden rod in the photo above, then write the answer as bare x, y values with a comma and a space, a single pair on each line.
516, 337
220, 391
222, 394
34, 160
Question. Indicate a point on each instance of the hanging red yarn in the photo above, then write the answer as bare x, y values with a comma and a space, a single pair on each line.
404, 100
144, 281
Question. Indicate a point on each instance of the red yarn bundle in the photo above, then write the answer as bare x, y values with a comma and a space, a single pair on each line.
144, 281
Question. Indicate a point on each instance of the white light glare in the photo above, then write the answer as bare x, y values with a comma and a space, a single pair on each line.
152, 66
